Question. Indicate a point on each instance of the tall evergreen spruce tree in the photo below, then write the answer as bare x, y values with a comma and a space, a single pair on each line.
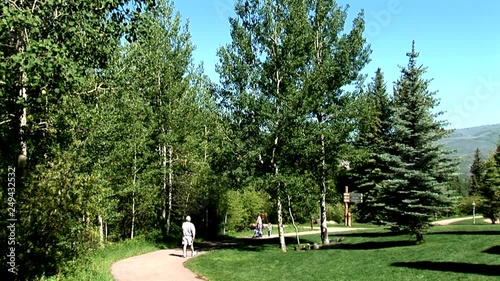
476, 171
372, 142
490, 187
415, 187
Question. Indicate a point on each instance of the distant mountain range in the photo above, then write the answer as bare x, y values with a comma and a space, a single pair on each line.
465, 141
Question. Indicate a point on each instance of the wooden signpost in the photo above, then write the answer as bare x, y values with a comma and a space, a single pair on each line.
350, 198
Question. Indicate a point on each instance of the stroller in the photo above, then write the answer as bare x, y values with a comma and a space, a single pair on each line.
256, 232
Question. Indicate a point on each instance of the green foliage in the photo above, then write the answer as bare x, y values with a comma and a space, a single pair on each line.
56, 202
98, 110
244, 207
490, 186
335, 57
282, 81
335, 212
372, 141
459, 185
476, 172
47, 49
415, 187
464, 206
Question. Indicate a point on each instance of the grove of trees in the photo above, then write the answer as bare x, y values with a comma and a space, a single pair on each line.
114, 132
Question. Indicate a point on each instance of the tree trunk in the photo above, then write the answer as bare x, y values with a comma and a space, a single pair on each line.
281, 231
21, 42
293, 221
420, 237
164, 183
170, 186
278, 203
225, 224
324, 227
206, 145
163, 157
133, 216
206, 219
23, 153
133, 194
318, 48
101, 231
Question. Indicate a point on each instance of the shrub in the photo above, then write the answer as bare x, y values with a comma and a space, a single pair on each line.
243, 207
464, 206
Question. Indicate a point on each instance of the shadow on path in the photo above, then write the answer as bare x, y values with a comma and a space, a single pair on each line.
459, 267
177, 255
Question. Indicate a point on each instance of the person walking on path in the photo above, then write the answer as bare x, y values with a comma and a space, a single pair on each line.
259, 225
189, 232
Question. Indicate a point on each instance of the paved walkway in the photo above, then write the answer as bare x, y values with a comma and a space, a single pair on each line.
155, 266
168, 265
448, 221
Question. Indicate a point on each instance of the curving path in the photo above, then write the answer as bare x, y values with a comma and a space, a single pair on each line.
154, 266
168, 265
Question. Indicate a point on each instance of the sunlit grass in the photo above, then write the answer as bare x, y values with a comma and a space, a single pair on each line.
454, 252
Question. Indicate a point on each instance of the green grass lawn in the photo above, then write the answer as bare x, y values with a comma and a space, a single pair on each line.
454, 252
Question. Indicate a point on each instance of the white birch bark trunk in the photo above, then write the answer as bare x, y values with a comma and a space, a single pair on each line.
133, 194
324, 227
225, 224
101, 231
281, 231
21, 42
170, 186
293, 221
133, 216
164, 162
23, 153
276, 168
318, 46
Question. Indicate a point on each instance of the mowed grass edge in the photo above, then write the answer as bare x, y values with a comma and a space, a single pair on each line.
96, 265
453, 252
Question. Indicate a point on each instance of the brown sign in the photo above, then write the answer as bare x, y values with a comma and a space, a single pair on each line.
353, 197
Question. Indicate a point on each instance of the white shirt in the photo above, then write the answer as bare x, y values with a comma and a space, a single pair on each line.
188, 229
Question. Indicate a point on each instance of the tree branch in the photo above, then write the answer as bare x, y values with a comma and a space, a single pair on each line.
6, 121
96, 88
33, 7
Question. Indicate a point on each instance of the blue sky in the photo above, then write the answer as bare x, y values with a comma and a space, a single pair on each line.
459, 42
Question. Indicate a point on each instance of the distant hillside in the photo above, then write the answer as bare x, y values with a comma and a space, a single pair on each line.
466, 140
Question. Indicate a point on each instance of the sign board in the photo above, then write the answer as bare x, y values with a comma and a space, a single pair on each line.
353, 197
